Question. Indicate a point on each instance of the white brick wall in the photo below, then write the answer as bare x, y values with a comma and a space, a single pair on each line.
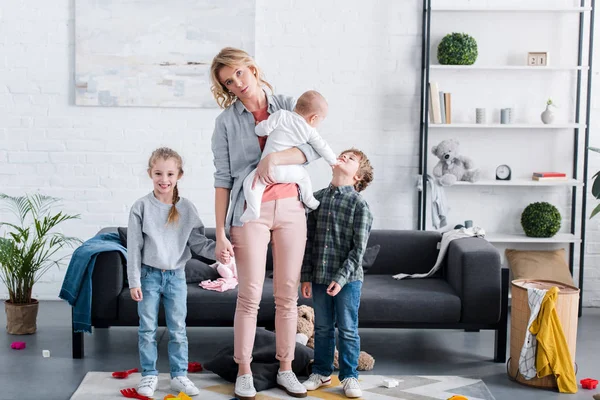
363, 57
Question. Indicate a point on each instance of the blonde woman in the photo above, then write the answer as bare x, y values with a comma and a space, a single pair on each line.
239, 88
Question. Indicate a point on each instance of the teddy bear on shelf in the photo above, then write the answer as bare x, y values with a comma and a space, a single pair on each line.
452, 166
306, 335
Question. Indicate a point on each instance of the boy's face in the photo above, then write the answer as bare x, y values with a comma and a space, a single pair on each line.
349, 163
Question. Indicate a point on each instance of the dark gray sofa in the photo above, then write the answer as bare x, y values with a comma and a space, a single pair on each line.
469, 292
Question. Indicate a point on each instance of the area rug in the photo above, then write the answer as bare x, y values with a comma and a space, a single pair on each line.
102, 386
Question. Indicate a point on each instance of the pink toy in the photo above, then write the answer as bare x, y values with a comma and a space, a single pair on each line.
226, 270
18, 345
589, 383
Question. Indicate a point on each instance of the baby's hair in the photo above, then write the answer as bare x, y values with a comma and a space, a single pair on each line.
310, 102
165, 153
232, 58
365, 170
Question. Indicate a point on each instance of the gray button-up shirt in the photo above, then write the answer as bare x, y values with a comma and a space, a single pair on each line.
237, 152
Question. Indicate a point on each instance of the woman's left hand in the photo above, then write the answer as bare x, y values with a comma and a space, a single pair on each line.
265, 171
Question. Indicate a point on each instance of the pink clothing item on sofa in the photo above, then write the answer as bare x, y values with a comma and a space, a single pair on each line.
219, 285
283, 223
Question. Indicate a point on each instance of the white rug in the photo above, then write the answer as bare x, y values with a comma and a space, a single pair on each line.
102, 386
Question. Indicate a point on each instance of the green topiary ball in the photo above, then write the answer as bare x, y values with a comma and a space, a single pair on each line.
457, 49
540, 220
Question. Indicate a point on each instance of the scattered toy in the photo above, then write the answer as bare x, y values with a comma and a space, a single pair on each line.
131, 393
17, 345
597, 396
390, 383
124, 374
458, 397
589, 383
45, 353
194, 367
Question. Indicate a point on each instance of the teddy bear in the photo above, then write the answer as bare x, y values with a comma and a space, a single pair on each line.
453, 167
306, 335
226, 271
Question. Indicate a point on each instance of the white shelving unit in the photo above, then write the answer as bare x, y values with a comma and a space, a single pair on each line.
579, 124
520, 182
506, 126
510, 67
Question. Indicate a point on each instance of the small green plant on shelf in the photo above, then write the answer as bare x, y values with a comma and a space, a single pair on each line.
540, 219
457, 49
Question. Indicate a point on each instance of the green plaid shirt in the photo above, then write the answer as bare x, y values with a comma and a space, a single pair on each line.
337, 237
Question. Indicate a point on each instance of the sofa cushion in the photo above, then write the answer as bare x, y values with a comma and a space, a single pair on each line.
387, 300
197, 271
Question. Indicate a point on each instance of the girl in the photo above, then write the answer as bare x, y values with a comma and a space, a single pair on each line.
237, 85
163, 227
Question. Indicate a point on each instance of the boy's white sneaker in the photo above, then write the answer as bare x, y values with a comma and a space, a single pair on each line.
288, 381
351, 387
183, 384
147, 385
244, 387
315, 381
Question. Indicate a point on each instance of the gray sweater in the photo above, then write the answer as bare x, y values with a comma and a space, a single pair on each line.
150, 241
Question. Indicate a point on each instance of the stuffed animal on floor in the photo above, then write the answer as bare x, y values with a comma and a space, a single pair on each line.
453, 167
306, 335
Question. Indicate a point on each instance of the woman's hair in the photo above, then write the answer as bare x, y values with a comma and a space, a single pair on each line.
232, 58
365, 170
165, 153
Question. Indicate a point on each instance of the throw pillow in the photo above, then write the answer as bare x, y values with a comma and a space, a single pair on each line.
196, 271
544, 265
370, 256
123, 235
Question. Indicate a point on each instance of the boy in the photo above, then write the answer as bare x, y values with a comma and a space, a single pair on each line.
337, 237
286, 129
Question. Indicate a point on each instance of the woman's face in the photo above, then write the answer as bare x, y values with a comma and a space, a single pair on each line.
240, 80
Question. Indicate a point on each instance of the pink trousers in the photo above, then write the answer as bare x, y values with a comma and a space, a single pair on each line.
283, 223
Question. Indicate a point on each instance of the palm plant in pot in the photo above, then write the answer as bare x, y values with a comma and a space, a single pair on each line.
596, 185
28, 249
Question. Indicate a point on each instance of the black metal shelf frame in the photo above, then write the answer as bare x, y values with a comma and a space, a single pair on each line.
424, 131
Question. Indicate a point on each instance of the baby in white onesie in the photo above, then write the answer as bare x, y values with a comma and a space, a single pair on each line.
287, 129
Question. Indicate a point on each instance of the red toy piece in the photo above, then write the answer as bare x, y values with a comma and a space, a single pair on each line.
131, 393
17, 345
589, 383
124, 374
194, 367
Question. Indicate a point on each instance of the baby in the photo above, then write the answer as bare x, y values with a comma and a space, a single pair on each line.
287, 129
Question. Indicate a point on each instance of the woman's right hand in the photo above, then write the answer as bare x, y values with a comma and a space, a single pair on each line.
265, 171
223, 246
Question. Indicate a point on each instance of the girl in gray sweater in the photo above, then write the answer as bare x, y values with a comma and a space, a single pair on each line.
163, 227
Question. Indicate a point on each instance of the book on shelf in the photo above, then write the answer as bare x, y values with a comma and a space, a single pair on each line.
448, 107
550, 174
549, 178
434, 106
440, 109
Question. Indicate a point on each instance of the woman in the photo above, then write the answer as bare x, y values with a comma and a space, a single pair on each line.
237, 86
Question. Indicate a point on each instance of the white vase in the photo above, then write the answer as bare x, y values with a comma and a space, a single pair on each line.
547, 115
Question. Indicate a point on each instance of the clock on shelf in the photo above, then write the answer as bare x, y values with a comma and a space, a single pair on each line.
503, 173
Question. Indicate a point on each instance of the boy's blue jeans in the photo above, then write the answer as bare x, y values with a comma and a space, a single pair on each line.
343, 310
171, 286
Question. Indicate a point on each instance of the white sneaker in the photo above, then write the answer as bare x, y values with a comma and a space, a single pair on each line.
244, 387
315, 381
183, 384
147, 385
287, 381
351, 387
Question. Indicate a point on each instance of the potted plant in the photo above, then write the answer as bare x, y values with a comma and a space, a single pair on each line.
596, 186
28, 250
540, 219
457, 49
547, 114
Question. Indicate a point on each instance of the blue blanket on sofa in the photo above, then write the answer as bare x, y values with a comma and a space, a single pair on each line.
77, 285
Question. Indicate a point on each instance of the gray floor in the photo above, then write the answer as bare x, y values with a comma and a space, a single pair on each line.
397, 352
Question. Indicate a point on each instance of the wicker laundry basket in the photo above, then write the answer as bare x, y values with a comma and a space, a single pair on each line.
566, 307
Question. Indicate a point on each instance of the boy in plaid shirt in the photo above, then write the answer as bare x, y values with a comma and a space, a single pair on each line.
332, 272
